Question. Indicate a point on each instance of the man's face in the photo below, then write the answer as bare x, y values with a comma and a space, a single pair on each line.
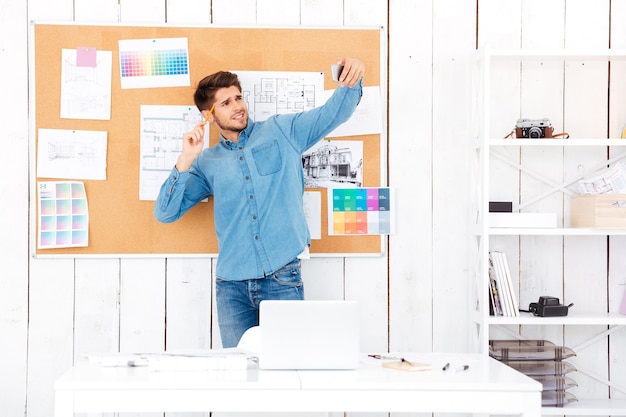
230, 113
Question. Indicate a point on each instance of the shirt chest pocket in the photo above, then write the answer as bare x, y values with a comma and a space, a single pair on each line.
267, 158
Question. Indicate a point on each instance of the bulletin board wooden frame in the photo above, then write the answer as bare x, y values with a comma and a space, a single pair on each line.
122, 225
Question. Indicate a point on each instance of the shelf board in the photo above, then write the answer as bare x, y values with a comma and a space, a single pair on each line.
556, 231
557, 142
584, 407
573, 318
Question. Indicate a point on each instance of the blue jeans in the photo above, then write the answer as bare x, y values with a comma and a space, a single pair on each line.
238, 301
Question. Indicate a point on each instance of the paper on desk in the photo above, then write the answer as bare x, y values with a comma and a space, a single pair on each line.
216, 362
215, 359
117, 359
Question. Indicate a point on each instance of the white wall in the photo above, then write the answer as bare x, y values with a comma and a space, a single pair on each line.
54, 310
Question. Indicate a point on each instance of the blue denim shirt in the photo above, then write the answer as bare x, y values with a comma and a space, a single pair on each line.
257, 185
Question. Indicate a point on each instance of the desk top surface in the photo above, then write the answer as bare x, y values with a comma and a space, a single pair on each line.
483, 373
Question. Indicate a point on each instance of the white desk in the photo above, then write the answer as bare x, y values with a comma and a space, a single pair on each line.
488, 387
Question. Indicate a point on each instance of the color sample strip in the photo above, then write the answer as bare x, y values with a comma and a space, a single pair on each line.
154, 63
63, 215
360, 211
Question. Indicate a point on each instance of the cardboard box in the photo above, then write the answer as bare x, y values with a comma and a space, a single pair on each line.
599, 210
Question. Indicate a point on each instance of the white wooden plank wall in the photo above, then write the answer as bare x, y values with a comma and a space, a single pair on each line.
416, 297
410, 171
453, 54
14, 214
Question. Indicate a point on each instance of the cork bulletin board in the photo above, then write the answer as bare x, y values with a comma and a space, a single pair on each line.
120, 224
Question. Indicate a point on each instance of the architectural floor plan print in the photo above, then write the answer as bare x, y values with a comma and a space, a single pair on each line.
162, 129
270, 92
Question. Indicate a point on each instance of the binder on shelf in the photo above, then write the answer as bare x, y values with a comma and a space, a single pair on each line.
505, 298
494, 295
502, 295
506, 287
509, 281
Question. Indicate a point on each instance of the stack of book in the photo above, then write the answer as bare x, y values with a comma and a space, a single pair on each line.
502, 296
543, 361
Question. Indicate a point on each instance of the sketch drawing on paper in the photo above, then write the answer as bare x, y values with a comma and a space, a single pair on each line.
76, 154
334, 163
86, 91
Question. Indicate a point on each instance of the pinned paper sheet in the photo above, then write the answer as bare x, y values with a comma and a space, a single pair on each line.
86, 56
280, 92
63, 214
75, 154
148, 63
162, 126
86, 83
361, 211
367, 119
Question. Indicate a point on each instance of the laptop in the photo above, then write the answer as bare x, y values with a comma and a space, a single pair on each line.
308, 334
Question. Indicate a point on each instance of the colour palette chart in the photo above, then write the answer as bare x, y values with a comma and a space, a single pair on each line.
360, 211
63, 214
146, 63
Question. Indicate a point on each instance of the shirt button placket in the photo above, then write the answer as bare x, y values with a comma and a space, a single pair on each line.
251, 199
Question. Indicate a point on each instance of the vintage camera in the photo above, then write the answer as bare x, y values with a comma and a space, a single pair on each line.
533, 128
548, 307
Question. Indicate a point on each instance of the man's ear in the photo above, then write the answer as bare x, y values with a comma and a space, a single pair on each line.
206, 113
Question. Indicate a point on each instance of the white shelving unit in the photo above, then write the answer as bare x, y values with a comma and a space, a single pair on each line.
486, 150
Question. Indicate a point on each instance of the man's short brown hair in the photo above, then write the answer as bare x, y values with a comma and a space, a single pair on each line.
204, 96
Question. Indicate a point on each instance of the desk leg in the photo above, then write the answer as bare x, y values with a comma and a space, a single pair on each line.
64, 403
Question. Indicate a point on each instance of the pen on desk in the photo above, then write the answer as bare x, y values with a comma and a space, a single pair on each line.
446, 366
462, 368
376, 356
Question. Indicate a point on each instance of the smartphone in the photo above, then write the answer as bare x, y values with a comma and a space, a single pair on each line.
336, 71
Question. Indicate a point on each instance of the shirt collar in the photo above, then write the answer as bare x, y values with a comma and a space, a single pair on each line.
243, 137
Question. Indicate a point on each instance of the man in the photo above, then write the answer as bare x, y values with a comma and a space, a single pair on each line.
256, 179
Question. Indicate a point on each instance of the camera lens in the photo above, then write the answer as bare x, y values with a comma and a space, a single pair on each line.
534, 132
